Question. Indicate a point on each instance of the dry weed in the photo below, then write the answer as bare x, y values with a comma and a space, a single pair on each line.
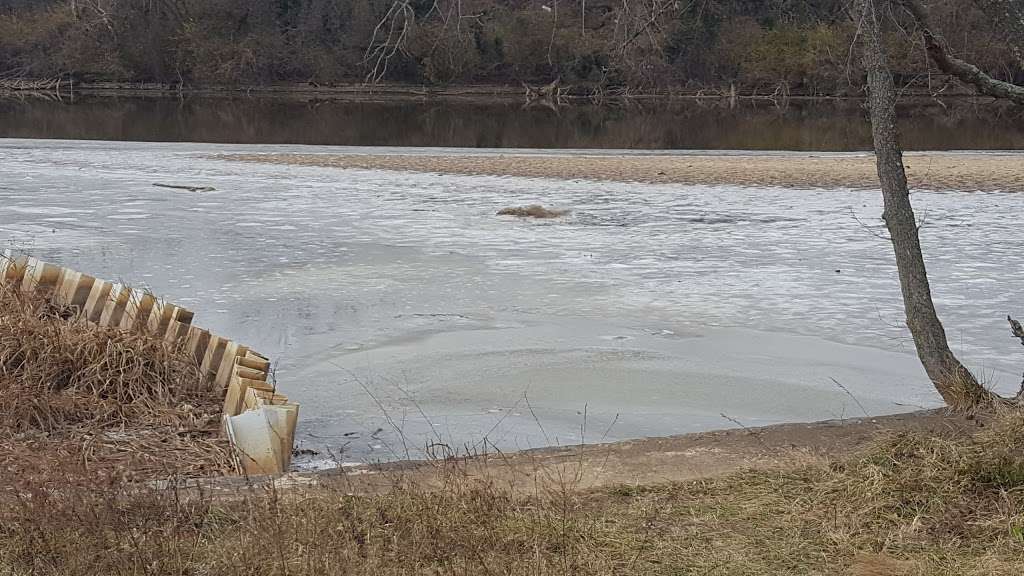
73, 395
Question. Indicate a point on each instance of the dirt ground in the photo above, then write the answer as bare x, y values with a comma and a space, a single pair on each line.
642, 462
926, 170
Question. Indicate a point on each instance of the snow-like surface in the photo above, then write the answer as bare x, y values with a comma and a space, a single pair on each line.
650, 310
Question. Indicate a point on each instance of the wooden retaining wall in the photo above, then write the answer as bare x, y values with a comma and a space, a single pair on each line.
258, 420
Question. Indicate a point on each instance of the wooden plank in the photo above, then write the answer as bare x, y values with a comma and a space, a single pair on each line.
196, 343
160, 318
136, 313
251, 374
257, 356
82, 291
40, 275
214, 352
181, 325
177, 333
183, 315
98, 296
238, 398
113, 308
67, 286
225, 368
269, 397
233, 396
254, 363
26, 283
14, 268
131, 310
73, 289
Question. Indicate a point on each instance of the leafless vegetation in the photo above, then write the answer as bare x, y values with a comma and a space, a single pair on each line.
601, 49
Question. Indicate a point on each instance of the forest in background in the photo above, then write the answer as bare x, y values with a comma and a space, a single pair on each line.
642, 45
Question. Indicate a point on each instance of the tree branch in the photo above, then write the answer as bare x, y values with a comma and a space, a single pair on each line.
964, 71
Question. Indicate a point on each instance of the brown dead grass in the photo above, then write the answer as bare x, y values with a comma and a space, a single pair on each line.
911, 504
120, 404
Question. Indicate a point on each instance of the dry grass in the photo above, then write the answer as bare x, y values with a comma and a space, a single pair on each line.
912, 504
121, 404
87, 412
532, 211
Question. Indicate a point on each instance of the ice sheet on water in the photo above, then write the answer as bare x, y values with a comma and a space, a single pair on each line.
309, 261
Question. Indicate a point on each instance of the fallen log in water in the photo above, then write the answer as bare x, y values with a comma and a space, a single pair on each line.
189, 188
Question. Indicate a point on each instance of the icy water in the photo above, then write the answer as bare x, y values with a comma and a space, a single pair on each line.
400, 302
836, 125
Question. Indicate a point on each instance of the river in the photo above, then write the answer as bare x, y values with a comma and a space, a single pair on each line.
402, 312
818, 125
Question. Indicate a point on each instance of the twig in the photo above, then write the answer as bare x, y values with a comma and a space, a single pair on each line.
850, 394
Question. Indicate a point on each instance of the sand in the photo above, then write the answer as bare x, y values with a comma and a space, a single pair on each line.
639, 462
926, 170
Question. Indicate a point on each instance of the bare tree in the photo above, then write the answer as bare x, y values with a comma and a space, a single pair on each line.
388, 39
1007, 14
957, 386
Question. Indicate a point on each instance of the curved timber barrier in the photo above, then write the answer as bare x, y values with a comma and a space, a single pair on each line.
258, 420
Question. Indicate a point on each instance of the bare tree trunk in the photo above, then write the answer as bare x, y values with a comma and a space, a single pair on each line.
965, 71
954, 382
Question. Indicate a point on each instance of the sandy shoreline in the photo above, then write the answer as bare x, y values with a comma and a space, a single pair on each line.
645, 461
926, 170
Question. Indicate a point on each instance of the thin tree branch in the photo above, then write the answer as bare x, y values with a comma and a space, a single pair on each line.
964, 71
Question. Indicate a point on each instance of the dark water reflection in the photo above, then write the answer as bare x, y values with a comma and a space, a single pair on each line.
832, 125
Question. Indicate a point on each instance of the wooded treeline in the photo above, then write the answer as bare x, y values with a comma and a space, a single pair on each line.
639, 44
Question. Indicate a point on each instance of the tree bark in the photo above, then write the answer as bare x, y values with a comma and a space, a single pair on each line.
957, 386
965, 71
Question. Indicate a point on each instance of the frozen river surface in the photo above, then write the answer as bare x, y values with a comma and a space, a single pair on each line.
397, 301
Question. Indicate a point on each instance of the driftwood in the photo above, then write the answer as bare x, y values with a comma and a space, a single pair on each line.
1018, 332
1016, 329
550, 95
189, 188
15, 86
22, 84
532, 211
